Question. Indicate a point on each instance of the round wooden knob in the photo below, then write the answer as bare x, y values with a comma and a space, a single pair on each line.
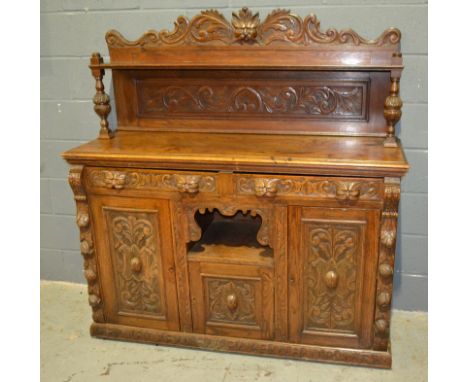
231, 301
135, 264
331, 279
385, 270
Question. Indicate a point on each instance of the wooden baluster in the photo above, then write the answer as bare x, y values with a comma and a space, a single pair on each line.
392, 112
101, 99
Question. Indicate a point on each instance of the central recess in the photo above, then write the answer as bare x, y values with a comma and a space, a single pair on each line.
229, 238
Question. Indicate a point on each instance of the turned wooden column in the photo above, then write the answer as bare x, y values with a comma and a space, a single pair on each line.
101, 99
392, 112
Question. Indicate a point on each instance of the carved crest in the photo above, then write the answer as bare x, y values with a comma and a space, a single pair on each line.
281, 26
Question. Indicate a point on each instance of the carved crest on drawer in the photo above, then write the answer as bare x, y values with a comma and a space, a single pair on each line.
184, 183
341, 190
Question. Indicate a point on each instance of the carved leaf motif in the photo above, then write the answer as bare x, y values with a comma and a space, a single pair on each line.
135, 179
134, 253
221, 297
314, 100
343, 191
279, 27
331, 275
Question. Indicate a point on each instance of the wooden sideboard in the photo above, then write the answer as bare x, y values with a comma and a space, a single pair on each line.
247, 200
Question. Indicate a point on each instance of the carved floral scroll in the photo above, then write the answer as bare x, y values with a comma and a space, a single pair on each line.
344, 191
331, 275
184, 183
157, 99
280, 27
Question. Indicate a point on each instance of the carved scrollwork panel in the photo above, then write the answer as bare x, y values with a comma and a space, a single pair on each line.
136, 255
184, 183
330, 275
280, 27
159, 98
340, 190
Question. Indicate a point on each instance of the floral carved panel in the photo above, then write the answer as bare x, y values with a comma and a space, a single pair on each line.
136, 256
231, 300
333, 250
159, 98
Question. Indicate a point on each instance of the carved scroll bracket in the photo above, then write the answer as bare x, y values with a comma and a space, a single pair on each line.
86, 242
392, 112
264, 236
388, 232
101, 99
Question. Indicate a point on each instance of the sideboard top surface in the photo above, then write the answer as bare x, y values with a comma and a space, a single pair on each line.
236, 152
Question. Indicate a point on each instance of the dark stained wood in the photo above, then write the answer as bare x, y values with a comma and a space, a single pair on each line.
248, 198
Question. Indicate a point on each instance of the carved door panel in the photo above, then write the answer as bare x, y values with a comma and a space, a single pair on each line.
232, 300
134, 250
332, 273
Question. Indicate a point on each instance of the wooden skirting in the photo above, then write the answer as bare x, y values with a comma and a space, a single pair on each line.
379, 359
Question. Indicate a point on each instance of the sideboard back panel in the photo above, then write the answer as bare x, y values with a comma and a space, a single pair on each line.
268, 101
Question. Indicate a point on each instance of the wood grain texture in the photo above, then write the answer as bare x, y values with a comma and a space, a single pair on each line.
248, 199
344, 156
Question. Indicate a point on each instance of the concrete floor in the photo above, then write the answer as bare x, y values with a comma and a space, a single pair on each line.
69, 354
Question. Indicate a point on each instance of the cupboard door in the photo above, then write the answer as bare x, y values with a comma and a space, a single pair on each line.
332, 273
134, 248
232, 300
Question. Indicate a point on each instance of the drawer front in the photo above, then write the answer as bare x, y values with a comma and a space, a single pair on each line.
182, 182
342, 190
232, 300
134, 251
332, 273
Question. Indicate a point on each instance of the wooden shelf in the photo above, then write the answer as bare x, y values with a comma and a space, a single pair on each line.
232, 242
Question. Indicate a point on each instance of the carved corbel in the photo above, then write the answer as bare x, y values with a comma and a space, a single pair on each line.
86, 242
388, 233
101, 99
392, 112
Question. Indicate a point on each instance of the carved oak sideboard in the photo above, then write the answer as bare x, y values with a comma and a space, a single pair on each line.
247, 200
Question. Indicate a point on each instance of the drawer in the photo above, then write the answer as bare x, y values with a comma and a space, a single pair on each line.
342, 190
183, 182
232, 299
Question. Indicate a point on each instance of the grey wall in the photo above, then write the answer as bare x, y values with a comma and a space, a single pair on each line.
72, 29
